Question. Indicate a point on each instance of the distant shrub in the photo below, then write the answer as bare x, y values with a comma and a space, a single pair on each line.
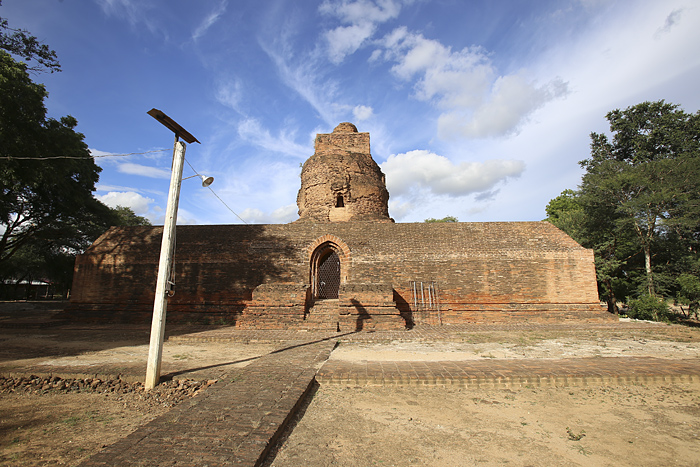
649, 307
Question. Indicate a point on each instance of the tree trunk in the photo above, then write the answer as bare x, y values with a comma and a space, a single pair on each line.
611, 300
647, 266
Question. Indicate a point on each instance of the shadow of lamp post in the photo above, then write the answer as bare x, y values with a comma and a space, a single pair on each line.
165, 263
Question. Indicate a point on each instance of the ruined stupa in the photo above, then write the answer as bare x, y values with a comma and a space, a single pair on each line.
341, 182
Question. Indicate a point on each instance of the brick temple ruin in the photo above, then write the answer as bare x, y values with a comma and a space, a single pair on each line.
343, 265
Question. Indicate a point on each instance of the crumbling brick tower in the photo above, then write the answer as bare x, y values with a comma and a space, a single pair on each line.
341, 182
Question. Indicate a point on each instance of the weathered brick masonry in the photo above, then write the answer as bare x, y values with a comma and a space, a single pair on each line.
344, 265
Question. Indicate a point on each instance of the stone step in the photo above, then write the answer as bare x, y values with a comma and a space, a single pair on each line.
323, 315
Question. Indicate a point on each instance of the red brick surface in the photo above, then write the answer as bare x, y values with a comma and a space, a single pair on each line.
253, 275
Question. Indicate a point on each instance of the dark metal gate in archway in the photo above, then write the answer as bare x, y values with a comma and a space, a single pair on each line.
328, 276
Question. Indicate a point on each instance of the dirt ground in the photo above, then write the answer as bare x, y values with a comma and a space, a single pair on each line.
349, 426
604, 426
655, 425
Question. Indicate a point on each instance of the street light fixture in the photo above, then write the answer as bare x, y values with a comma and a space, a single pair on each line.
167, 247
206, 181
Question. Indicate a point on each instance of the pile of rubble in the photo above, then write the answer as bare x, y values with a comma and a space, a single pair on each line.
168, 393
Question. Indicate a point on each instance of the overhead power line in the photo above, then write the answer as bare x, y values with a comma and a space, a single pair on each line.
79, 157
119, 155
217, 196
222, 202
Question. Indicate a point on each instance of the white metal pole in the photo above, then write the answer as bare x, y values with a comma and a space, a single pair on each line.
160, 303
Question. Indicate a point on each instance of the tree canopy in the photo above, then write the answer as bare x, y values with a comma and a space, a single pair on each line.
48, 213
21, 43
638, 202
47, 175
444, 219
125, 216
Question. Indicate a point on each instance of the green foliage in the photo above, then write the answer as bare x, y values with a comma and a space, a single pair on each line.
647, 179
43, 200
124, 216
649, 307
444, 219
689, 293
48, 213
566, 212
565, 203
638, 206
21, 43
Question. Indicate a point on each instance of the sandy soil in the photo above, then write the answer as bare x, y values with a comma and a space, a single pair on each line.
605, 426
566, 347
60, 427
635, 425
73, 352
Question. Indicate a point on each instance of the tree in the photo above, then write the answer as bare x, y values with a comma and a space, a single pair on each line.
689, 293
592, 228
566, 212
47, 175
125, 216
21, 43
444, 219
647, 179
52, 258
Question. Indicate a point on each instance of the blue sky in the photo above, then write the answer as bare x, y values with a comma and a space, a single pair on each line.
476, 109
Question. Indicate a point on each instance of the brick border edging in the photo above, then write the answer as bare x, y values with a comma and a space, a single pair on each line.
506, 374
524, 382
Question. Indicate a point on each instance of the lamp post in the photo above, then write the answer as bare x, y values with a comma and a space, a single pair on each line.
165, 264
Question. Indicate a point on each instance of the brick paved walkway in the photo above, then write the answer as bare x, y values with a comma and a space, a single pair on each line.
234, 422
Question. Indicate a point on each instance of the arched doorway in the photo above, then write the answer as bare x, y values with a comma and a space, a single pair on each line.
326, 272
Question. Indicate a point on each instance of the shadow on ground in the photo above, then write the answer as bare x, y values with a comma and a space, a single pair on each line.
30, 330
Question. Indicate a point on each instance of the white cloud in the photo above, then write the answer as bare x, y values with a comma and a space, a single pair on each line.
345, 40
671, 20
362, 11
362, 18
102, 188
252, 132
400, 209
303, 76
210, 19
424, 170
282, 215
362, 112
512, 100
98, 153
307, 73
143, 170
477, 102
133, 11
229, 94
138, 203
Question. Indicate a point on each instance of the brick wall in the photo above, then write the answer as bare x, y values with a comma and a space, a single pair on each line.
259, 276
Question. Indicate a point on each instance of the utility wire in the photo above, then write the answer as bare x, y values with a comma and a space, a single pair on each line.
9, 158
120, 155
222, 201
217, 196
